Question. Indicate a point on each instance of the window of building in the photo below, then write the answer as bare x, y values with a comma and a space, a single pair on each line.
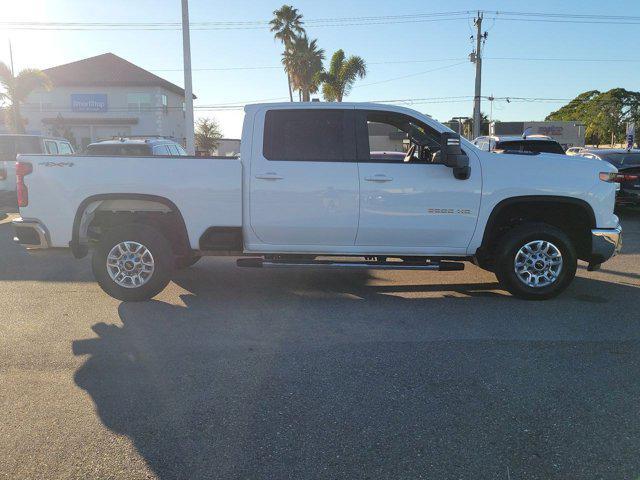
165, 104
308, 135
138, 102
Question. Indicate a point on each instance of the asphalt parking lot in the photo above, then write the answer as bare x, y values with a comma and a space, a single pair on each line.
263, 374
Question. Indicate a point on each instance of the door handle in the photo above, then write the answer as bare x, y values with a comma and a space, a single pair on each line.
378, 178
269, 176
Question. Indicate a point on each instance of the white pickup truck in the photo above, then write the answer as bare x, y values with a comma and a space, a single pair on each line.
326, 185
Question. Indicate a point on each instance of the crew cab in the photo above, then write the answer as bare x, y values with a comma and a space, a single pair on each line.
311, 189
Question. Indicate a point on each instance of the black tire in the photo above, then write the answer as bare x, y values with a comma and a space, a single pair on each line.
186, 261
155, 243
515, 239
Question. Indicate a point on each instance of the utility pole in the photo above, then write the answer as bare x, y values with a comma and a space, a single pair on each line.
188, 82
477, 58
16, 114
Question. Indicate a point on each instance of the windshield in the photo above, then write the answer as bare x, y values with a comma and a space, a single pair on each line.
537, 146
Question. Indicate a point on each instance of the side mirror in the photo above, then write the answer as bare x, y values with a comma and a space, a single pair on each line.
452, 155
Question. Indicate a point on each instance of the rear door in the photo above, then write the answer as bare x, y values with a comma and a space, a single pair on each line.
304, 177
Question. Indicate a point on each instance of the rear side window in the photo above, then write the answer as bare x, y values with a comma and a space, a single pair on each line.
64, 148
51, 146
309, 135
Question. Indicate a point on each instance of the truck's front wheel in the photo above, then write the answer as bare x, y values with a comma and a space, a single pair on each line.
133, 263
536, 261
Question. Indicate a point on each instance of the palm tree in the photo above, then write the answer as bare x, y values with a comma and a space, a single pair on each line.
17, 89
286, 25
342, 74
302, 62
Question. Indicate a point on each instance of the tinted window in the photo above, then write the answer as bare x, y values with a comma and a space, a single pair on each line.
117, 150
513, 146
543, 147
307, 135
622, 159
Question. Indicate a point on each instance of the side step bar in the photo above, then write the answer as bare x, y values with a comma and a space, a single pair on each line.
290, 263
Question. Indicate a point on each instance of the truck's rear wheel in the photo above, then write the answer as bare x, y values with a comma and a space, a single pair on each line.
133, 262
536, 261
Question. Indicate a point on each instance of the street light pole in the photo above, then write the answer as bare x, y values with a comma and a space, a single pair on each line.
189, 132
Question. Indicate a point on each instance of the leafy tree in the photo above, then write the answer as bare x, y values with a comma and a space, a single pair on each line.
17, 89
207, 135
60, 129
286, 26
303, 62
605, 114
342, 74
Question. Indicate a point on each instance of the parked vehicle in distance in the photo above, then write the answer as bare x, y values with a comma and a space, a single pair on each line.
11, 145
514, 144
628, 164
136, 147
573, 151
312, 187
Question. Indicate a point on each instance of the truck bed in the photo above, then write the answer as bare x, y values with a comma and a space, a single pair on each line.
207, 191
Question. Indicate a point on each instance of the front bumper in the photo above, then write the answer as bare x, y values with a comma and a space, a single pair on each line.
605, 243
30, 234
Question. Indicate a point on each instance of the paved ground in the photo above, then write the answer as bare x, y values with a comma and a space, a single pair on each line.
271, 375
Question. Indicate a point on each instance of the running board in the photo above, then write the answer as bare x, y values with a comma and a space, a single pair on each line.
262, 263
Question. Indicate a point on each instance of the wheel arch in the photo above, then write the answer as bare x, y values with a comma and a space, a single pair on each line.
140, 203
529, 204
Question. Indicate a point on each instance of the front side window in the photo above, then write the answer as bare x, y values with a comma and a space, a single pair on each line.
309, 135
395, 137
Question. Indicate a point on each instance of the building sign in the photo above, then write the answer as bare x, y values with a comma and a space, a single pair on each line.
89, 102
551, 130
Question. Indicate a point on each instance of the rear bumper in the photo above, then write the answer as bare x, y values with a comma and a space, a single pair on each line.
30, 234
605, 243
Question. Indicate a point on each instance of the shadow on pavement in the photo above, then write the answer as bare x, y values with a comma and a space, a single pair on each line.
255, 376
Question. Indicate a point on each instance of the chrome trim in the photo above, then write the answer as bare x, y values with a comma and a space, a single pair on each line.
605, 243
40, 230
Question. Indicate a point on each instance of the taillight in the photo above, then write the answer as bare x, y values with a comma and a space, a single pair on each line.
22, 170
617, 177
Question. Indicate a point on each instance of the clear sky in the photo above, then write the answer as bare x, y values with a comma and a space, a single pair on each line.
424, 45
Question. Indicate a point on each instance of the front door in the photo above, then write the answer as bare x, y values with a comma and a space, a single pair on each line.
304, 178
414, 205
